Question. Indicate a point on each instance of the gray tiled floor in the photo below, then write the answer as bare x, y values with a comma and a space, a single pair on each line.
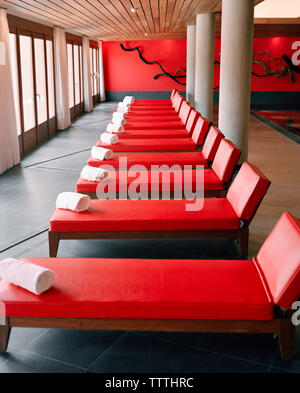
27, 198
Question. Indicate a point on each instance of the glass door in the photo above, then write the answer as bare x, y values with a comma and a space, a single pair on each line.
41, 89
28, 94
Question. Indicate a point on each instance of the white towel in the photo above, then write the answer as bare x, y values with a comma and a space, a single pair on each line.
119, 115
124, 110
73, 201
129, 99
34, 278
91, 173
100, 153
123, 107
119, 122
109, 139
115, 128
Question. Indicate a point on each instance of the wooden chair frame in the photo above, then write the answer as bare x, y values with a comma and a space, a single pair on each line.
280, 325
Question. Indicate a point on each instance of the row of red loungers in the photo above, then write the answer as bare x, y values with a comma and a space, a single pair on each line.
222, 153
228, 216
211, 296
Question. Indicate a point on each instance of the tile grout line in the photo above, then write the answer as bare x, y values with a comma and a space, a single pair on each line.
108, 348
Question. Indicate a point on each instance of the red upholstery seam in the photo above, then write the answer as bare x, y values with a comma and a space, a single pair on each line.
263, 279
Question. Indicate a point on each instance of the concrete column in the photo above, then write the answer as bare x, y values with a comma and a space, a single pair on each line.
235, 73
204, 67
190, 63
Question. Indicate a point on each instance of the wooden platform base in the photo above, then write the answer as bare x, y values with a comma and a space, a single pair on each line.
282, 327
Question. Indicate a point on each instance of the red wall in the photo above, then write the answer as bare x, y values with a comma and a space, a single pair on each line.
126, 71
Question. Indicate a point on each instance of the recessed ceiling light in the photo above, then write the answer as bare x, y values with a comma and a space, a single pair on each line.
133, 10
146, 34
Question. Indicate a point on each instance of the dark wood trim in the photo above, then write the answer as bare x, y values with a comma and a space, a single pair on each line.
34, 88
47, 87
73, 39
281, 326
16, 22
4, 336
207, 194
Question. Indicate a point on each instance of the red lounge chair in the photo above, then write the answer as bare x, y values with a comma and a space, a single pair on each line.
136, 123
158, 104
171, 144
116, 219
216, 179
207, 154
163, 132
161, 115
211, 295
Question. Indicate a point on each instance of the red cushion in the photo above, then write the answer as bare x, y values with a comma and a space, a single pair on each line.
212, 143
155, 107
279, 261
146, 215
148, 113
225, 160
151, 117
170, 144
152, 103
184, 112
131, 288
153, 125
200, 131
192, 120
211, 181
149, 159
247, 190
149, 134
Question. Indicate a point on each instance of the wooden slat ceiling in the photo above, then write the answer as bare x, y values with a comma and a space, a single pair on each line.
113, 19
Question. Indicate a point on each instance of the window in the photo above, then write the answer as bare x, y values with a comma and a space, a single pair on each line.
75, 76
31, 48
50, 76
15, 79
27, 82
40, 75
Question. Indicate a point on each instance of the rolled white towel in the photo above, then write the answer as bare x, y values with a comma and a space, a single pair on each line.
123, 110
123, 107
91, 173
115, 128
100, 153
73, 201
129, 99
119, 122
34, 278
119, 115
109, 139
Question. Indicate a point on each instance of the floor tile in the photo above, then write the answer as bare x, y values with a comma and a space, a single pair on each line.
76, 347
208, 362
18, 361
255, 347
137, 354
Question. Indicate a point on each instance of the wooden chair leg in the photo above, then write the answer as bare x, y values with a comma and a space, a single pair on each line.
286, 339
53, 243
4, 337
244, 242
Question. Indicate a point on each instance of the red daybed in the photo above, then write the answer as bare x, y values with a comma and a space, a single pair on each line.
115, 219
216, 179
148, 159
157, 144
190, 122
211, 295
